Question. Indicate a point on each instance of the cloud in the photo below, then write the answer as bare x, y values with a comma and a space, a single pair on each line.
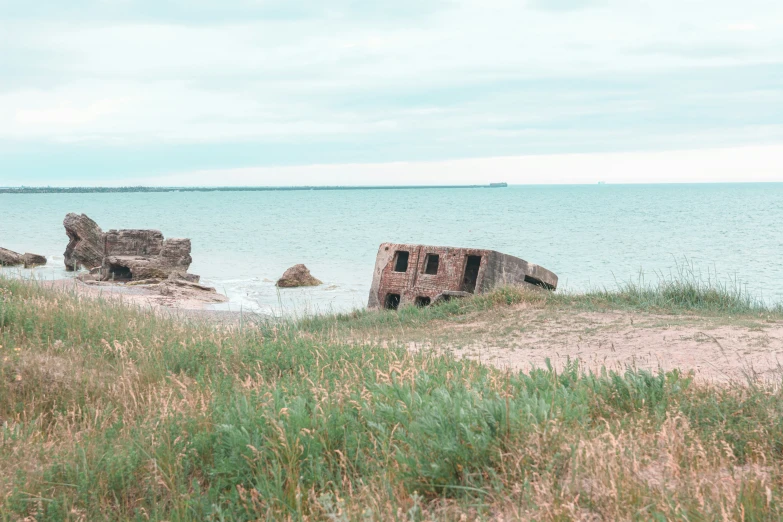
716, 51
738, 164
565, 5
743, 27
208, 12
269, 82
68, 116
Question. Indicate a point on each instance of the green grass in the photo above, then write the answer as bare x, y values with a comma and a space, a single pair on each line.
109, 412
684, 292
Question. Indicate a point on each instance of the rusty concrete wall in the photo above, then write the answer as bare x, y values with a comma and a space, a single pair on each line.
495, 269
415, 282
384, 257
504, 270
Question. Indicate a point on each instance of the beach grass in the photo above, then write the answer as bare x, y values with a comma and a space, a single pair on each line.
684, 292
109, 412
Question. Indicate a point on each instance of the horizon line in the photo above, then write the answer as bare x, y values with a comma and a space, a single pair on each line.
22, 189
227, 188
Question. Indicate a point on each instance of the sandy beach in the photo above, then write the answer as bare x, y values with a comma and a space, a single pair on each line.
185, 305
715, 349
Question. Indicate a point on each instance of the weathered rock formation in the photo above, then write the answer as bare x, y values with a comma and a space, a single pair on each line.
125, 255
172, 292
31, 260
297, 276
10, 258
179, 289
144, 254
85, 248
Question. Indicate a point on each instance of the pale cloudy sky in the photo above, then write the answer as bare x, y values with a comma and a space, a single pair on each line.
112, 92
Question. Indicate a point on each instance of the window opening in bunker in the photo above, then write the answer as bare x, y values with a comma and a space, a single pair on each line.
401, 261
423, 301
472, 266
120, 273
431, 264
392, 302
534, 281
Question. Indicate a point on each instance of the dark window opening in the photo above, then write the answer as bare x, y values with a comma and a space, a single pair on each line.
443, 298
392, 302
120, 273
401, 261
472, 266
422, 301
431, 264
534, 281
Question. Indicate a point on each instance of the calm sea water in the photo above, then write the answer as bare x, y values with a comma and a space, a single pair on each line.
589, 235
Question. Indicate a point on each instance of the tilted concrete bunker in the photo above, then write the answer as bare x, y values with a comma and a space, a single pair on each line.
422, 275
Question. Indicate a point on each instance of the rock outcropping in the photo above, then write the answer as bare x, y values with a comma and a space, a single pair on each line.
125, 255
297, 276
31, 260
11, 258
144, 254
85, 248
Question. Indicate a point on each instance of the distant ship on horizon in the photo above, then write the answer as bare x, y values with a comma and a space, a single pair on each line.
498, 185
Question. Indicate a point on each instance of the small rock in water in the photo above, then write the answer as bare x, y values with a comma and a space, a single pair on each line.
10, 258
297, 276
31, 260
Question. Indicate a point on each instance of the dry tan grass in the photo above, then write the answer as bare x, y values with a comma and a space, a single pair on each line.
111, 412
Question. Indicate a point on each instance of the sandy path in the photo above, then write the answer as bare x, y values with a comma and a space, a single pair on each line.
713, 350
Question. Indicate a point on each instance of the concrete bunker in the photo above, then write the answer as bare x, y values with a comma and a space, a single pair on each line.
421, 275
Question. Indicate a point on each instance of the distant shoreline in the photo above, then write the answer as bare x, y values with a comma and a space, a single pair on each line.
108, 190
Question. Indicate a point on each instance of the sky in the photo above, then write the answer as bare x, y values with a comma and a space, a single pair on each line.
279, 92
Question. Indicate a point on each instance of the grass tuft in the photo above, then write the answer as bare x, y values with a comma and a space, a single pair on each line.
684, 290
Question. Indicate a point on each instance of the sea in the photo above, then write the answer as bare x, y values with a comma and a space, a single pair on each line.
592, 236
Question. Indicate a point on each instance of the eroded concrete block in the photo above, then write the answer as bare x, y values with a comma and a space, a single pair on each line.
422, 275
